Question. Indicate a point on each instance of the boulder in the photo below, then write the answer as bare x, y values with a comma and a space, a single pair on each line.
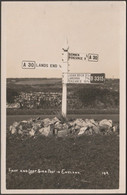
32, 132
15, 124
58, 125
79, 122
54, 120
20, 127
105, 122
45, 131
77, 127
62, 133
65, 126
24, 121
105, 125
96, 129
91, 123
46, 122
71, 124
37, 126
13, 130
114, 129
72, 130
82, 130
90, 131
20, 132
10, 128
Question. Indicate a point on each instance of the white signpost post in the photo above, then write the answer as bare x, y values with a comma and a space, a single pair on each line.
64, 84
76, 78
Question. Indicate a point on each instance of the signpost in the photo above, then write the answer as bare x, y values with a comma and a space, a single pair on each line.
76, 78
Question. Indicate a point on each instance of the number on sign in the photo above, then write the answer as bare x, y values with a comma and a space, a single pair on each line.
93, 57
30, 64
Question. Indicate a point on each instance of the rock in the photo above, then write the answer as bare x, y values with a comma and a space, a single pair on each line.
54, 120
37, 126
82, 130
46, 122
20, 132
10, 128
105, 125
32, 132
96, 129
72, 130
62, 133
30, 121
45, 131
13, 130
114, 129
58, 125
15, 124
65, 126
79, 122
105, 122
77, 127
91, 123
90, 131
71, 124
38, 118
24, 121
20, 127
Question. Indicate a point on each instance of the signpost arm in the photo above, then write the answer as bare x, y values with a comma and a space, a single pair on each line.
64, 84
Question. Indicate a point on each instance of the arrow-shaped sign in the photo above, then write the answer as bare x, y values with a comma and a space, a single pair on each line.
52, 66
83, 78
33, 65
80, 56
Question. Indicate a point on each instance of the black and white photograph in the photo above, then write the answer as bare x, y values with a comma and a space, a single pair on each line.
63, 97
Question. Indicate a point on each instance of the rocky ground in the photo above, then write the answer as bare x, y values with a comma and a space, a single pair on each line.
62, 127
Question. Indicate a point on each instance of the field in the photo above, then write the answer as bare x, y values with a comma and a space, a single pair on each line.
96, 159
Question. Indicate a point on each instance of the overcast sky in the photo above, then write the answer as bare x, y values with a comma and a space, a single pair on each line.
36, 31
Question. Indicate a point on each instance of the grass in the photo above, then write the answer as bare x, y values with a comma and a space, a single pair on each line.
13, 111
89, 155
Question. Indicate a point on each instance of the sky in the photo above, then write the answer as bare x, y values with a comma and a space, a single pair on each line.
36, 31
